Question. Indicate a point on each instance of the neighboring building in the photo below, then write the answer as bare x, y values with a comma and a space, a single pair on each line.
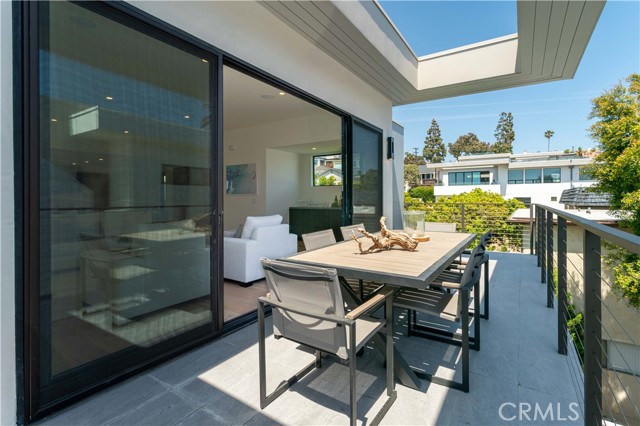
120, 119
532, 178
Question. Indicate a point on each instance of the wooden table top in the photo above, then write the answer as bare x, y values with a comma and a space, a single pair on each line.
395, 266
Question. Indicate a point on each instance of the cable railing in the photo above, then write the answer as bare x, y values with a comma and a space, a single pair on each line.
597, 328
478, 218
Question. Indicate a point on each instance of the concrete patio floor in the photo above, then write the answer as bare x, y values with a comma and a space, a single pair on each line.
518, 368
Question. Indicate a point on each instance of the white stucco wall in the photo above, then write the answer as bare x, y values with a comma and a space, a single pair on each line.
7, 226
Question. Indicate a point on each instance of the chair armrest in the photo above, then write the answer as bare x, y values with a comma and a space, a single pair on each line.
289, 308
372, 303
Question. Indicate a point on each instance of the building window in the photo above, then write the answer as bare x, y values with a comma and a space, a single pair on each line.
515, 176
623, 357
469, 178
554, 198
327, 170
583, 174
552, 175
533, 176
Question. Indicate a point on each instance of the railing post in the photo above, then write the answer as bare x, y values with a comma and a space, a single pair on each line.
463, 226
592, 331
542, 257
562, 285
549, 259
531, 228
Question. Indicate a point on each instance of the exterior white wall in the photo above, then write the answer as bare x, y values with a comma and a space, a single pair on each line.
250, 32
8, 402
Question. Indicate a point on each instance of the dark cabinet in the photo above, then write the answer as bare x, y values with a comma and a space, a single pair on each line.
303, 220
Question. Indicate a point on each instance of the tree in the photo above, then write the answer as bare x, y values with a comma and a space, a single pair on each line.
617, 132
410, 158
504, 134
411, 175
617, 171
468, 144
434, 150
425, 193
548, 134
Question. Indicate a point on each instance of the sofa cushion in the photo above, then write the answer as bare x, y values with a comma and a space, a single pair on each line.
238, 232
253, 222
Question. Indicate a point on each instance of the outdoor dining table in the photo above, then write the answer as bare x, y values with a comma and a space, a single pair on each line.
394, 267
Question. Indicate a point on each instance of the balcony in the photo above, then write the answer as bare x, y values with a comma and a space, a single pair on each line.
517, 369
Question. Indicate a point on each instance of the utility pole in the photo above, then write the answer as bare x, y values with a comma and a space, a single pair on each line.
415, 151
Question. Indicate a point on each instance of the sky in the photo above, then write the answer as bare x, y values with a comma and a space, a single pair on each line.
562, 106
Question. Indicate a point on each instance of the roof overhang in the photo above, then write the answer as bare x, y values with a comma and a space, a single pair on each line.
552, 37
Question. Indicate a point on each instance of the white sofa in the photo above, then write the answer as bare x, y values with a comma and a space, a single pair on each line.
260, 238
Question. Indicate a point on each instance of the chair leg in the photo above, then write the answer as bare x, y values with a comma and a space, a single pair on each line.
465, 340
485, 315
352, 375
476, 318
282, 387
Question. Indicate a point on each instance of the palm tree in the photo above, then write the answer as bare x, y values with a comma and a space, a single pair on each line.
548, 134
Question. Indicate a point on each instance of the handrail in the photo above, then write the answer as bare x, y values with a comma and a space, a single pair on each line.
623, 239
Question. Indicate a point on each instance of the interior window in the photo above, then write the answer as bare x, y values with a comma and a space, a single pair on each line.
327, 170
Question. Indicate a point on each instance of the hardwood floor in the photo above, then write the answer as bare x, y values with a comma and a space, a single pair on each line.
240, 300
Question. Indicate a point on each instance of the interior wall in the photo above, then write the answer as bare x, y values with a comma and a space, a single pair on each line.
281, 189
251, 145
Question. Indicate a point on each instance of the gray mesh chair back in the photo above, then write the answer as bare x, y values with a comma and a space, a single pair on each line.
313, 290
319, 239
439, 227
349, 230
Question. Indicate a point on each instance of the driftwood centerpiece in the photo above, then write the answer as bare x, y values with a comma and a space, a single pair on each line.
385, 240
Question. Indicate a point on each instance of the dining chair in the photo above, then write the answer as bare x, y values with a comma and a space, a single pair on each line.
484, 265
365, 288
318, 239
348, 230
452, 307
307, 308
439, 227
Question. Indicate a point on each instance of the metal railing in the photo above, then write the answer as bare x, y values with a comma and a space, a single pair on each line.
605, 330
508, 236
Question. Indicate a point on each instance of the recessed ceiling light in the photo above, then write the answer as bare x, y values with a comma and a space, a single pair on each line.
187, 116
314, 148
55, 120
266, 96
73, 164
281, 93
109, 98
100, 159
86, 161
204, 60
126, 131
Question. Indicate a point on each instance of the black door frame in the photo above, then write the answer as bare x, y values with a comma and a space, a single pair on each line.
26, 160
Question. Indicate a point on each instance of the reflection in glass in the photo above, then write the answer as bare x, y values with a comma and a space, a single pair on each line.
124, 190
366, 194
552, 175
533, 176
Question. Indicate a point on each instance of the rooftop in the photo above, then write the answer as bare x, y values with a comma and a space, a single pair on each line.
218, 383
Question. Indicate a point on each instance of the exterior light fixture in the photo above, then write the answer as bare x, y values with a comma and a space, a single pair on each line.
390, 146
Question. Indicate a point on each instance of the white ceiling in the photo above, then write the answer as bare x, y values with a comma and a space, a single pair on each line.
250, 102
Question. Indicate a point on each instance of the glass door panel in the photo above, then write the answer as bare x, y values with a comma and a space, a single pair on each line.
125, 195
366, 172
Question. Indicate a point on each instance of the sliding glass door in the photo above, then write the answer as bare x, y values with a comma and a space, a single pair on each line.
365, 153
122, 266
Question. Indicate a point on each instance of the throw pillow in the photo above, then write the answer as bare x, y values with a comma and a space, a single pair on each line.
238, 231
253, 222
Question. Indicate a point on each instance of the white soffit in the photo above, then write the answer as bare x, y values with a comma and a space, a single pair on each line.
552, 37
